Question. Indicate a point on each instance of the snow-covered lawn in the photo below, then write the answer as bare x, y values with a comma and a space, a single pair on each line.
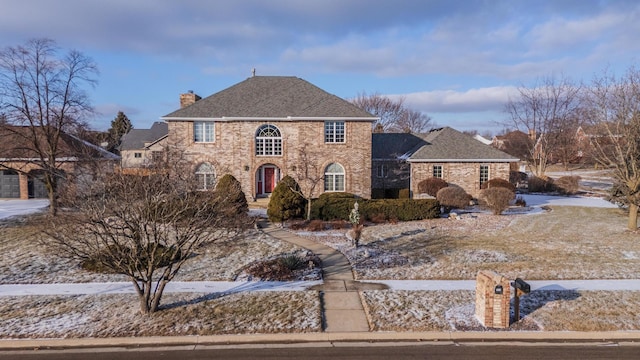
10, 208
584, 238
184, 314
549, 310
564, 242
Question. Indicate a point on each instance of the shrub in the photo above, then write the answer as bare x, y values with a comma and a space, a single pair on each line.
540, 184
431, 186
516, 177
379, 218
497, 199
453, 197
315, 225
280, 269
568, 185
404, 194
498, 182
285, 203
520, 201
400, 209
333, 206
230, 191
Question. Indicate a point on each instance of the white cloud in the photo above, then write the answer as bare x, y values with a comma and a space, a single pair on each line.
451, 101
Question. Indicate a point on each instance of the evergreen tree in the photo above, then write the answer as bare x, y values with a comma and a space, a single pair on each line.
119, 126
286, 201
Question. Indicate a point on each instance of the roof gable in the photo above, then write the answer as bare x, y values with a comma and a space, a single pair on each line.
18, 144
449, 145
136, 139
270, 97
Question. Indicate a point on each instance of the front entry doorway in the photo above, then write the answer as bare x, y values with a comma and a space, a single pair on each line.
267, 177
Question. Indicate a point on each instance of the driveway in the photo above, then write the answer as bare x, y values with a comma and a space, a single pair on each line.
13, 207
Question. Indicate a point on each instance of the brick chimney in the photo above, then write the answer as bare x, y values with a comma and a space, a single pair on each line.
188, 99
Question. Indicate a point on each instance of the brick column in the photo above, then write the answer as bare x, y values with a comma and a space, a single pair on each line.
493, 299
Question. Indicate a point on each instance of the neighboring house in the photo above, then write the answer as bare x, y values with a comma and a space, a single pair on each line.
20, 166
140, 147
458, 159
264, 128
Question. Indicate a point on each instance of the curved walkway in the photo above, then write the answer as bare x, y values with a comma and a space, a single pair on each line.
341, 303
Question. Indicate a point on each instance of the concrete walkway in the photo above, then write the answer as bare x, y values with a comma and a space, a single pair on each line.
340, 296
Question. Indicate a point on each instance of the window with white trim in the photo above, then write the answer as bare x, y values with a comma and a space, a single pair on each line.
437, 171
137, 155
268, 141
484, 174
205, 176
334, 177
334, 131
203, 131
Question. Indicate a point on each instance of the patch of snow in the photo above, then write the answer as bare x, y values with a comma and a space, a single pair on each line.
9, 208
550, 200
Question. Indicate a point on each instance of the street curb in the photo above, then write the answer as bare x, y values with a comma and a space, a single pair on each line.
307, 338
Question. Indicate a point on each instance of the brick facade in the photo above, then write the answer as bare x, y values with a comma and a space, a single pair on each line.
463, 174
233, 151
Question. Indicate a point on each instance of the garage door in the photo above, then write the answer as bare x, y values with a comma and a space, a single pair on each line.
37, 189
9, 184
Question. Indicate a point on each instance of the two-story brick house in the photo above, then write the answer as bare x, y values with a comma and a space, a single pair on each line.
266, 127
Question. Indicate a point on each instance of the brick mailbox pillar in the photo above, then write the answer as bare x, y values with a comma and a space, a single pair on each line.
493, 299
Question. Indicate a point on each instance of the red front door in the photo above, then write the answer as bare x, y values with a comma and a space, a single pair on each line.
269, 179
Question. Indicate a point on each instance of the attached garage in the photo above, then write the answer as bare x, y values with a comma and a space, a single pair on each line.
37, 189
9, 184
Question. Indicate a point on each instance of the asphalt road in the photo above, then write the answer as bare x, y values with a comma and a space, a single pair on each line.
445, 350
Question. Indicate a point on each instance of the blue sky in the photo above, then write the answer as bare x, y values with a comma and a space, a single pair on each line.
457, 61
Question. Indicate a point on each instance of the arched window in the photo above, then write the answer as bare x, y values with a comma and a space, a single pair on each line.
334, 177
268, 141
205, 176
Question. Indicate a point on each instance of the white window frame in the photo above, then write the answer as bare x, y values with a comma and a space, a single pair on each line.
484, 174
268, 141
334, 132
437, 171
204, 131
334, 178
205, 176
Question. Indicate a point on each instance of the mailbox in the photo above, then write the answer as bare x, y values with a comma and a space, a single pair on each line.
498, 290
521, 285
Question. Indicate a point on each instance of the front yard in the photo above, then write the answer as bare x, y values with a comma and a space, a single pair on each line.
560, 243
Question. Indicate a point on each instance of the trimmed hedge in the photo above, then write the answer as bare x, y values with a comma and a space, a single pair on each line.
332, 206
498, 183
431, 186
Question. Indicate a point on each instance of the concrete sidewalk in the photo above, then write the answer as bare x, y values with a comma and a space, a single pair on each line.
342, 307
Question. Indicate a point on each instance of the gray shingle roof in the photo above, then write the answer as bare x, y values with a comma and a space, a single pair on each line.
387, 146
137, 138
270, 97
449, 145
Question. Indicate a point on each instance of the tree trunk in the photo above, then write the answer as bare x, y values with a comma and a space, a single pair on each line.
632, 223
309, 209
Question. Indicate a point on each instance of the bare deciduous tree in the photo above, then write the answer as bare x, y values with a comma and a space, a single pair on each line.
544, 111
614, 111
394, 115
144, 226
308, 174
41, 98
